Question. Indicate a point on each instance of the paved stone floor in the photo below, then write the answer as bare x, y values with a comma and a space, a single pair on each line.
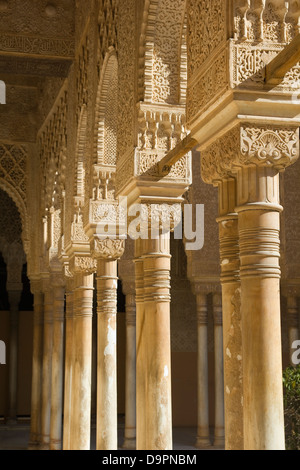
17, 437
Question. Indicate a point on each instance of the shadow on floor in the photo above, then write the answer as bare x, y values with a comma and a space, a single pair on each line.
16, 437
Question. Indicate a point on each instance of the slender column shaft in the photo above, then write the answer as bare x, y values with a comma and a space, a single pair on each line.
14, 299
157, 322
232, 328
68, 371
203, 439
293, 322
57, 369
94, 367
130, 392
47, 369
259, 228
107, 414
219, 381
81, 390
37, 363
74, 419
141, 376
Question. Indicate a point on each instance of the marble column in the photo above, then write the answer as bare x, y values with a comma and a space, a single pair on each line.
219, 438
141, 350
107, 412
293, 322
106, 252
37, 363
256, 153
130, 384
57, 368
69, 364
47, 369
158, 409
231, 304
14, 297
81, 382
259, 229
203, 439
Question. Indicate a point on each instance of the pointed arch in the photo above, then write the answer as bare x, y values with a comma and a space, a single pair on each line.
106, 117
80, 154
163, 52
20, 204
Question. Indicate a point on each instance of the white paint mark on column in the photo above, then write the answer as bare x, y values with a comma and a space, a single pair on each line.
228, 353
111, 341
166, 373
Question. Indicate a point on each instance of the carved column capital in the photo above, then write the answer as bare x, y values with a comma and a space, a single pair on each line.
57, 280
82, 265
248, 144
36, 286
107, 249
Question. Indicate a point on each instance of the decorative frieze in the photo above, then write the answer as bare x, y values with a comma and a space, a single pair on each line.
249, 66
250, 144
37, 45
37, 67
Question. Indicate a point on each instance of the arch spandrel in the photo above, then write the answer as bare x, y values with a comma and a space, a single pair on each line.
162, 62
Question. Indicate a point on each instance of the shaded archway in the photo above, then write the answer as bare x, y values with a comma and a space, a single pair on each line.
15, 296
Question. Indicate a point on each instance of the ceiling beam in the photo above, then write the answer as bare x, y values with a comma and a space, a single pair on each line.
283, 62
166, 164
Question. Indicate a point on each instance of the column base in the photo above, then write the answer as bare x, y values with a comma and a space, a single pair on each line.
129, 444
34, 443
55, 445
45, 445
203, 443
219, 442
33, 446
